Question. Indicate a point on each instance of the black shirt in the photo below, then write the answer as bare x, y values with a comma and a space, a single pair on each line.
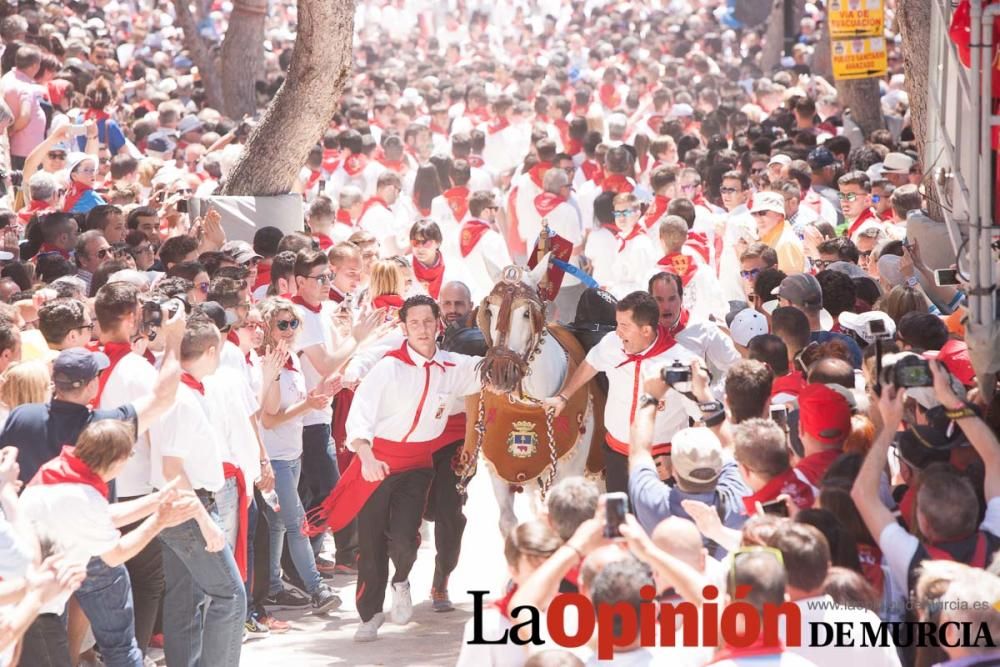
39, 430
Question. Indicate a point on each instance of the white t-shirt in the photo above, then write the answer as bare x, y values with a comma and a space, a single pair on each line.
316, 329
133, 377
284, 442
189, 432
233, 404
76, 518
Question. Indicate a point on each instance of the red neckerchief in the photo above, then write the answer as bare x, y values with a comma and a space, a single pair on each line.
374, 201
699, 243
335, 295
289, 364
388, 301
355, 164
95, 114
431, 276
402, 353
188, 379
298, 300
581, 109
482, 114
654, 122
233, 337
664, 341
475, 161
537, 173
814, 466
398, 166
867, 214
499, 125
323, 240
314, 175
786, 482
656, 211
503, 604
437, 129
679, 264
573, 146
68, 469
49, 248
636, 232
331, 158
791, 384
75, 191
699, 200
547, 202
472, 232
35, 206
617, 183
758, 648
344, 218
458, 201
115, 353
563, 126
681, 324
593, 171
609, 96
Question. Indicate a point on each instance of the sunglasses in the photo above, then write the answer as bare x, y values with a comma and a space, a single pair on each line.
624, 214
759, 214
749, 275
821, 264
423, 243
285, 325
202, 287
847, 196
728, 191
104, 253
690, 188
57, 155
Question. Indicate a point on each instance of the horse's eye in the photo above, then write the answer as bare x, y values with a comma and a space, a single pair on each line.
526, 315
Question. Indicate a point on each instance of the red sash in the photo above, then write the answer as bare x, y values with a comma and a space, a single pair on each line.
353, 490
68, 469
866, 215
679, 264
547, 202
75, 191
636, 232
374, 201
593, 171
617, 183
343, 218
657, 211
499, 125
472, 232
431, 276
34, 207
331, 158
323, 240
609, 96
458, 201
234, 472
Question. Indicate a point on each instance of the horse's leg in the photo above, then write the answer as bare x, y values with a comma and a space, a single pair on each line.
505, 500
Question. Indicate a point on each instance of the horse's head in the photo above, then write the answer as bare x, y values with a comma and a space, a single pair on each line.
512, 318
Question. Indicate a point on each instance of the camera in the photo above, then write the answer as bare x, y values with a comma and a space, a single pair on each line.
911, 371
152, 312
877, 329
676, 373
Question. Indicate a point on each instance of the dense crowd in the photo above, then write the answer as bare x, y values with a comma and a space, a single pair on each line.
198, 431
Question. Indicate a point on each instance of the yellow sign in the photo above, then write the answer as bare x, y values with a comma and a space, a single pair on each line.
860, 58
856, 18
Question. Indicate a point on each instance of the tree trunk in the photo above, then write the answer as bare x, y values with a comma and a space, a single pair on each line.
774, 38
201, 55
303, 106
862, 97
243, 57
913, 21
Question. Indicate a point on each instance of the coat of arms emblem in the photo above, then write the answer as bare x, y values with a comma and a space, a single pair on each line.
522, 442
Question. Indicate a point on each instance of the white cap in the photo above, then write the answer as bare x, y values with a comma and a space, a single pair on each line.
780, 158
897, 163
747, 325
858, 323
767, 201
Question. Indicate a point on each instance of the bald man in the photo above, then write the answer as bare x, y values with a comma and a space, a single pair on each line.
455, 300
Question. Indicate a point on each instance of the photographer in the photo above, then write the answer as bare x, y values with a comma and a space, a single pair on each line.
947, 507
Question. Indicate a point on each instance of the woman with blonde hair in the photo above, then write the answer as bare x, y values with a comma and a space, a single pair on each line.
26, 382
902, 299
387, 285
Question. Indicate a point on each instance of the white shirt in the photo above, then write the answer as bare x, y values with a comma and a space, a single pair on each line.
381, 223
703, 295
602, 250
625, 380
188, 431
709, 342
316, 329
233, 403
738, 225
822, 609
633, 266
401, 402
284, 442
132, 378
472, 269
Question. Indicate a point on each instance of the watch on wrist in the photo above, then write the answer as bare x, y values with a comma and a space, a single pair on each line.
961, 412
647, 400
714, 419
710, 407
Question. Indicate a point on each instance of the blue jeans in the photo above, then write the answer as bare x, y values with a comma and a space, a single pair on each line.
205, 603
289, 522
319, 472
106, 598
227, 500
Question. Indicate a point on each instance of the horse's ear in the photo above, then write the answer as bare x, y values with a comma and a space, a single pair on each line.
536, 274
496, 272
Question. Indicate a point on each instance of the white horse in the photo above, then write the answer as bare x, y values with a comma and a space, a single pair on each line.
541, 375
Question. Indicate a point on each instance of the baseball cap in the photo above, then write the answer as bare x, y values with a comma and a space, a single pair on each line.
913, 450
160, 144
696, 455
241, 251
955, 356
220, 316
897, 163
801, 289
858, 323
850, 269
77, 366
767, 201
824, 414
189, 124
681, 110
820, 157
780, 158
747, 325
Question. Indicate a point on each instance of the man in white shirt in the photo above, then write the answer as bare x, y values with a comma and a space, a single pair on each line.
478, 242
379, 219
635, 258
397, 421
354, 167
738, 228
205, 603
639, 347
702, 294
